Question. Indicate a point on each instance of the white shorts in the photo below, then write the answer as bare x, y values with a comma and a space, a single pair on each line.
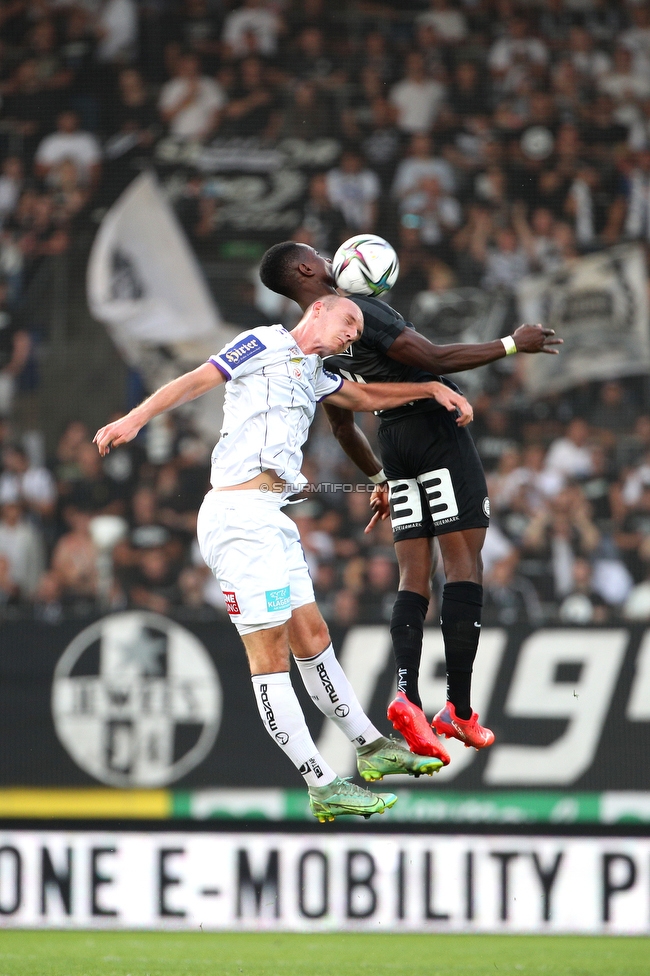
254, 551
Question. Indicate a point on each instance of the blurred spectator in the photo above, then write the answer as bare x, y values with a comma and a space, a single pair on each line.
516, 55
307, 113
377, 55
416, 97
421, 164
634, 532
622, 82
15, 345
345, 608
562, 531
73, 568
587, 59
583, 605
435, 213
354, 189
312, 62
613, 413
378, 595
635, 209
152, 583
469, 94
11, 183
191, 103
251, 108
66, 463
22, 546
133, 127
324, 221
637, 606
448, 22
508, 597
569, 455
91, 490
381, 140
8, 588
117, 29
69, 143
252, 29
505, 260
33, 487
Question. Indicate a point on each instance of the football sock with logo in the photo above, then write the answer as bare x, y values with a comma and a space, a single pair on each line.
330, 690
406, 629
282, 717
460, 619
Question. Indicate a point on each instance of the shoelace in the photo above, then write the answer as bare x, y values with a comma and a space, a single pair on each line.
347, 788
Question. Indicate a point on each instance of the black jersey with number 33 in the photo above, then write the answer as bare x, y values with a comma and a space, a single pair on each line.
367, 360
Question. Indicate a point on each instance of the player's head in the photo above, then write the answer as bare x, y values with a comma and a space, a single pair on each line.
293, 270
337, 321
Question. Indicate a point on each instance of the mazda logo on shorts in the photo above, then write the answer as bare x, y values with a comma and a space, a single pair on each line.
282, 738
342, 710
136, 700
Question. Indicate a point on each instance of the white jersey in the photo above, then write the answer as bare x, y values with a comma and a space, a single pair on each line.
271, 397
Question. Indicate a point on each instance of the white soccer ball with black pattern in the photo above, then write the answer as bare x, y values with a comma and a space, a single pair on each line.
365, 265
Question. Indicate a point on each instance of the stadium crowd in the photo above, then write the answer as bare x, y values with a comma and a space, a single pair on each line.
488, 139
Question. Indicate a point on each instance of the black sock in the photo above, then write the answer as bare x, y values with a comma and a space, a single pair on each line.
406, 628
460, 619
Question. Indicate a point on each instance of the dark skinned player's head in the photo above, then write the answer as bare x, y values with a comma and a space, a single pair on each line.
296, 271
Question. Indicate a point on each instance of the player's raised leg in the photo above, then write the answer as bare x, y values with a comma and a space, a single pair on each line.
460, 619
329, 795
331, 691
416, 562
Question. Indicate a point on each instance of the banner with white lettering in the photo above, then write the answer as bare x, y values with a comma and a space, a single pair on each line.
324, 882
138, 700
599, 306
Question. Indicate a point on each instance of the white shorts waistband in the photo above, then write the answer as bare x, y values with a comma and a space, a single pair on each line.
251, 496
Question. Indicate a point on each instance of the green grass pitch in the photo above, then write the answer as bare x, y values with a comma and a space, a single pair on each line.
28, 953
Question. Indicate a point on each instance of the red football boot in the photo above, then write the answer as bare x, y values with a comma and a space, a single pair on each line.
411, 722
447, 723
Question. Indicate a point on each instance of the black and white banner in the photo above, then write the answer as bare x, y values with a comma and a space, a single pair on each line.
599, 305
138, 700
311, 882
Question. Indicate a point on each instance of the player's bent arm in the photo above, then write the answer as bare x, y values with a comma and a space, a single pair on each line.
181, 390
384, 396
351, 438
413, 349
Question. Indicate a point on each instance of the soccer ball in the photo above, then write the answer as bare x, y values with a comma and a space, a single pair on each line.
365, 265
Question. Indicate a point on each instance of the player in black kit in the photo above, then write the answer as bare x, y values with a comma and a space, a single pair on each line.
432, 482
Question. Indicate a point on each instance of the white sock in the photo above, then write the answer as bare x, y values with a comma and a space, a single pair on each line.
282, 716
328, 687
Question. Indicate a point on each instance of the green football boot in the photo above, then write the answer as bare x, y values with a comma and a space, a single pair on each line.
388, 757
341, 797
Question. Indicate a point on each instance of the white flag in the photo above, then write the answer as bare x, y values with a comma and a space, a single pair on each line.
145, 284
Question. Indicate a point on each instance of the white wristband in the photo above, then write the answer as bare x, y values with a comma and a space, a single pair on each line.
509, 345
379, 478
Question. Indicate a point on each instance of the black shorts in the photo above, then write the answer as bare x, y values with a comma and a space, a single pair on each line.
435, 477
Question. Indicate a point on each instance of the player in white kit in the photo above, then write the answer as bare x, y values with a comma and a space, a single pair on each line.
274, 381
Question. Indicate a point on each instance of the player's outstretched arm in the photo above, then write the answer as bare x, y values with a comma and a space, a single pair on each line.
184, 388
383, 396
413, 349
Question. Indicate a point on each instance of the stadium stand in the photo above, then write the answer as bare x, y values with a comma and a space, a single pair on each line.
487, 139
